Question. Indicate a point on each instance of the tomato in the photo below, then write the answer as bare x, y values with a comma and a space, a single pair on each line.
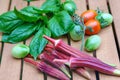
92, 43
105, 19
76, 33
92, 27
70, 7
89, 14
20, 51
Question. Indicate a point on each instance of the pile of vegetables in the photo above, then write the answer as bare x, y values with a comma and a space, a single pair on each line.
90, 23
58, 54
96, 20
52, 20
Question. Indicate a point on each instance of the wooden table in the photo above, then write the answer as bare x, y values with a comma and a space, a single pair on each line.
109, 52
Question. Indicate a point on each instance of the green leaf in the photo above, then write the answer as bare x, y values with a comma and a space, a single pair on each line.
9, 21
21, 33
60, 24
38, 42
51, 6
28, 14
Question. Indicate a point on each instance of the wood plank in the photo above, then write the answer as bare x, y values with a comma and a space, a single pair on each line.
18, 4
4, 5
107, 52
115, 9
10, 66
81, 7
66, 41
37, 3
30, 72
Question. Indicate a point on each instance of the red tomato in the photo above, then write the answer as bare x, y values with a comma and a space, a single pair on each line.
92, 27
89, 14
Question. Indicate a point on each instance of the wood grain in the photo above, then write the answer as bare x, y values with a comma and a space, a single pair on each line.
37, 3
30, 72
107, 52
18, 4
9, 65
4, 5
115, 9
10, 68
81, 5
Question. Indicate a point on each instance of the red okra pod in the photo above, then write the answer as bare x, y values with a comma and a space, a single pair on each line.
49, 59
43, 67
91, 63
81, 71
84, 62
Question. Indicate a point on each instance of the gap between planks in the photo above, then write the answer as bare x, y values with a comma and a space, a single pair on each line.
11, 68
27, 68
108, 45
3, 9
115, 25
83, 5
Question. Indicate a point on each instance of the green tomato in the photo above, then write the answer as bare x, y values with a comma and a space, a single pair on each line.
20, 51
76, 33
105, 19
92, 43
70, 7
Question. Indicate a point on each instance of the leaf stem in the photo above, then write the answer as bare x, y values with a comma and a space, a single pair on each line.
83, 36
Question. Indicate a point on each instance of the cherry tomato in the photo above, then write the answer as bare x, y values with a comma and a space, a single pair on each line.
92, 43
20, 51
92, 27
105, 19
70, 7
89, 14
76, 33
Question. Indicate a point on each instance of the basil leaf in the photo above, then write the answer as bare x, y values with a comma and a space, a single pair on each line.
38, 42
51, 6
28, 14
21, 33
60, 24
5, 37
9, 21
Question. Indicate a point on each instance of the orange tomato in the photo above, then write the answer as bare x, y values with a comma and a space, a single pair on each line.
89, 14
92, 27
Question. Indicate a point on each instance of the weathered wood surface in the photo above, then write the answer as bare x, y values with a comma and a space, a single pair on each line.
13, 69
29, 70
115, 10
108, 53
4, 6
10, 68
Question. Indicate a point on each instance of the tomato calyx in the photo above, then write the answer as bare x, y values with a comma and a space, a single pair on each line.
98, 11
89, 27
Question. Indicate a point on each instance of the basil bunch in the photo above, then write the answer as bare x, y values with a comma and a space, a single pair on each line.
50, 19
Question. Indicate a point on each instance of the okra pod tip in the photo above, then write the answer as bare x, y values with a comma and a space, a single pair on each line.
116, 72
